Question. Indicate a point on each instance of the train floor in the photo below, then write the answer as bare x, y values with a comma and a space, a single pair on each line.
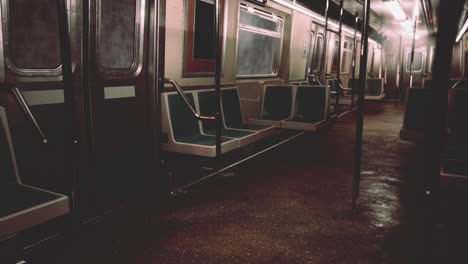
293, 205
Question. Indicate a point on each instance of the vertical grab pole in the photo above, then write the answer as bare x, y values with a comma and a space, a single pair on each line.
325, 45
433, 142
360, 114
217, 50
401, 65
413, 45
338, 68
353, 64
69, 100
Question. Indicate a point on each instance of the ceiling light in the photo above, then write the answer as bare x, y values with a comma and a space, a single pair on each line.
395, 7
318, 17
407, 25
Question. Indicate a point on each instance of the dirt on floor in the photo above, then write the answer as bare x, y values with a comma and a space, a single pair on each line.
293, 205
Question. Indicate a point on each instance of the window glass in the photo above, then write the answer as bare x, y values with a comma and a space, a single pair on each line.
317, 61
334, 67
431, 58
347, 57
258, 21
310, 52
259, 43
117, 33
417, 62
204, 31
33, 34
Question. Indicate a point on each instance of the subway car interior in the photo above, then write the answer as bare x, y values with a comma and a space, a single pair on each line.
240, 131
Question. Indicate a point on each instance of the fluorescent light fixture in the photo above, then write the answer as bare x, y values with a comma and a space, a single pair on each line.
316, 16
407, 25
395, 7
462, 31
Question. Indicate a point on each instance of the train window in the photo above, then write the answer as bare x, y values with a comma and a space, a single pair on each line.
431, 57
347, 57
203, 44
317, 61
370, 58
199, 37
334, 67
116, 33
259, 43
310, 52
33, 38
418, 61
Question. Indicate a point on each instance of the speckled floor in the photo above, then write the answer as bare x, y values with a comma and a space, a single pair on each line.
292, 205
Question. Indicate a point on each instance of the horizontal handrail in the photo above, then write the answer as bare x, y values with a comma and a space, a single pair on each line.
186, 101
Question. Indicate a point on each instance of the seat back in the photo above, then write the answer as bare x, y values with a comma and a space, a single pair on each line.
277, 101
374, 86
231, 107
459, 111
184, 124
418, 104
206, 103
311, 103
335, 87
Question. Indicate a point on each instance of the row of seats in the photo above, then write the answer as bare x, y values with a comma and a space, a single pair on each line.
344, 94
186, 134
419, 103
374, 88
426, 83
283, 106
302, 107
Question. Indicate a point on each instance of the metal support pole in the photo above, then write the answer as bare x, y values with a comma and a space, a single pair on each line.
72, 148
433, 142
353, 64
338, 68
156, 81
360, 112
217, 50
323, 74
413, 45
400, 74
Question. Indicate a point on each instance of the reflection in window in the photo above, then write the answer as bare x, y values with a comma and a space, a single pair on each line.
310, 52
204, 31
259, 43
317, 61
334, 67
33, 34
117, 33
347, 57
417, 61
431, 58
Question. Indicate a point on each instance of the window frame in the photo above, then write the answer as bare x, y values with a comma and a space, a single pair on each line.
53, 73
310, 52
316, 67
350, 59
192, 68
431, 58
279, 52
333, 66
138, 44
408, 58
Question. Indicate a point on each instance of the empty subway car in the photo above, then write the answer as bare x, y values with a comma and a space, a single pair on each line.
103, 102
